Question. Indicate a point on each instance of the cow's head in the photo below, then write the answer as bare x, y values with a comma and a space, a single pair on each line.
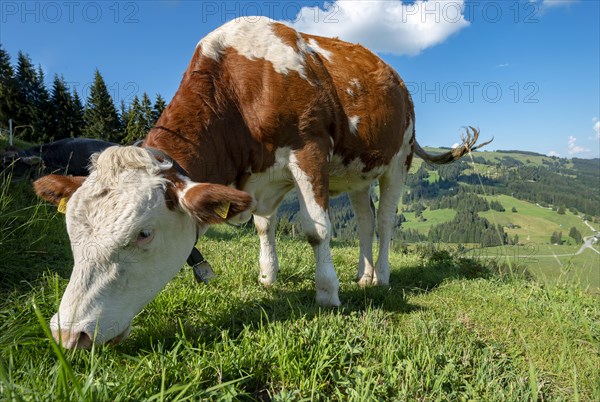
131, 223
17, 166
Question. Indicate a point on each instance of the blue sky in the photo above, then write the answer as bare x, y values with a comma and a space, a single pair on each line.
524, 72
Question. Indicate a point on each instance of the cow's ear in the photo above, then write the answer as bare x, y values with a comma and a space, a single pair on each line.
54, 187
214, 203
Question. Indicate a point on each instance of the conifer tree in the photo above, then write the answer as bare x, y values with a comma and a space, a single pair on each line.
62, 109
124, 111
136, 126
147, 114
43, 109
139, 119
78, 115
576, 235
33, 97
9, 102
101, 118
157, 109
556, 238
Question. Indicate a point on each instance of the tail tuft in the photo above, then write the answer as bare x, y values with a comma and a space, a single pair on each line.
468, 145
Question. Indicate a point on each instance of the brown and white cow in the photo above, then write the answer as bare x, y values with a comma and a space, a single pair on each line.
261, 109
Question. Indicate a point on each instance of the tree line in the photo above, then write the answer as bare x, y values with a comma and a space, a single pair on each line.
45, 115
553, 183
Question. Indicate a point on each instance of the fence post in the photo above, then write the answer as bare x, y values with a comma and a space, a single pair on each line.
10, 138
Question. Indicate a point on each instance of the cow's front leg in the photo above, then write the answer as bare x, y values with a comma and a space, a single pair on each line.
312, 182
269, 264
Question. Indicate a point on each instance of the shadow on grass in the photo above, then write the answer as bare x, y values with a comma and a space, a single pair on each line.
283, 305
228, 232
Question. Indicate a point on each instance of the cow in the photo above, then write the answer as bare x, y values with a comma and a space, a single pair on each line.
69, 156
261, 109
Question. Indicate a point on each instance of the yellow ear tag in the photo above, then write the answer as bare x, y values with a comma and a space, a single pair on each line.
222, 210
62, 205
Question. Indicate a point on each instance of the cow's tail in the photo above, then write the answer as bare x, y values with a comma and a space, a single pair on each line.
468, 145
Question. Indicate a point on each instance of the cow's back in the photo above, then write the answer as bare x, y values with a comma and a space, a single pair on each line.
71, 156
254, 86
375, 101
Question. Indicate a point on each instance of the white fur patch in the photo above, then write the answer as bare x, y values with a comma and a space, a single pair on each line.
254, 39
406, 148
353, 123
350, 177
113, 277
354, 83
314, 46
269, 187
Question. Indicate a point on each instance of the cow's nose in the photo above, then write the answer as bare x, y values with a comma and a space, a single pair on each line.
75, 340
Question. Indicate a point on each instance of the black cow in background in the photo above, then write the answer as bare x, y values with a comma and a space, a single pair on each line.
69, 156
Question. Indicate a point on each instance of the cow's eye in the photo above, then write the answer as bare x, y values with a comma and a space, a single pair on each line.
144, 237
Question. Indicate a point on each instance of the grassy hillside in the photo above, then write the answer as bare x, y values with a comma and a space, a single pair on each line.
448, 328
529, 158
497, 175
536, 223
431, 218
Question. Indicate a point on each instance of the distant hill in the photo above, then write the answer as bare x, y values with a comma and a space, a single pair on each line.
523, 176
520, 152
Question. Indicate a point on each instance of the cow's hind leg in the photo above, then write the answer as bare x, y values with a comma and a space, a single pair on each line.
390, 187
365, 216
312, 183
269, 264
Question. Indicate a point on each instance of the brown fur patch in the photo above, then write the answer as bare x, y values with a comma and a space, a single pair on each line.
287, 35
54, 187
205, 201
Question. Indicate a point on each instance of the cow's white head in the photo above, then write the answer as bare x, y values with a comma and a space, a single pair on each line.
131, 223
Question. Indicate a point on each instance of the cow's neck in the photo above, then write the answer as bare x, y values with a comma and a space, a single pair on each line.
203, 135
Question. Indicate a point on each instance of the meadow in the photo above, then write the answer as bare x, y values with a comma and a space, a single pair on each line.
533, 225
448, 327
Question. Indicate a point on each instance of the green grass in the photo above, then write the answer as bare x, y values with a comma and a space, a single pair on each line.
551, 263
537, 223
27, 243
431, 218
446, 329
16, 142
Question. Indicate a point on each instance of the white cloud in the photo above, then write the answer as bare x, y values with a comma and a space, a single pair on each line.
388, 26
575, 149
557, 3
553, 153
544, 6
455, 145
503, 65
596, 127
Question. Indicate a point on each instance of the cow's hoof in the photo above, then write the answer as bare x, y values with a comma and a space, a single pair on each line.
266, 280
366, 280
328, 299
381, 281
